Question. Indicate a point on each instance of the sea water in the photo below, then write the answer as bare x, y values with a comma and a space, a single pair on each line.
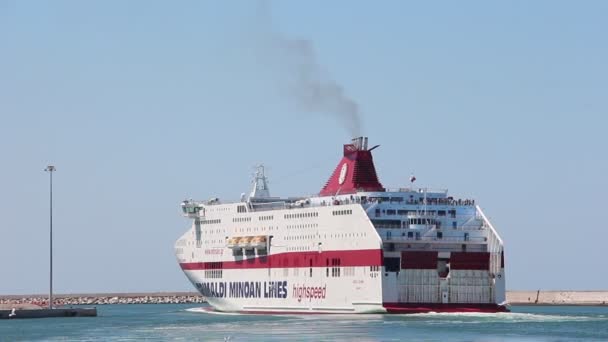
164, 322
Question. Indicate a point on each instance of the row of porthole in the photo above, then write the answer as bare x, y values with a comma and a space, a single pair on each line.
345, 235
299, 248
249, 229
213, 273
218, 209
215, 221
301, 215
302, 226
301, 237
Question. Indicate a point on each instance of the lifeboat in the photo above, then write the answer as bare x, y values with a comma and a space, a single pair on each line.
258, 241
244, 242
233, 242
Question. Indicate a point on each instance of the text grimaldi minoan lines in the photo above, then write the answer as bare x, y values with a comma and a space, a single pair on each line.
260, 289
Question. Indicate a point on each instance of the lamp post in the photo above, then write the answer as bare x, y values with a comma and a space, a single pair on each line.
50, 169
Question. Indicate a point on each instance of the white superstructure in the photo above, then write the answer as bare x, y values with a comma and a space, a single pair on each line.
356, 247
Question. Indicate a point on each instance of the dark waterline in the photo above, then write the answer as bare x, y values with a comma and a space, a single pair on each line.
161, 322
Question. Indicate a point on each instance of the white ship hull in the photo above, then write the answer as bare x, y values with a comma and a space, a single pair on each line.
367, 251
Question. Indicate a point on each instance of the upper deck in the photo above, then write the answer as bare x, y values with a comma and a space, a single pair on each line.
400, 215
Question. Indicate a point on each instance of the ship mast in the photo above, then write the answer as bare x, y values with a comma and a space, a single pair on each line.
260, 184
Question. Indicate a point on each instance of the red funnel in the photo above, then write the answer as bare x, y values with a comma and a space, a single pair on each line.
355, 172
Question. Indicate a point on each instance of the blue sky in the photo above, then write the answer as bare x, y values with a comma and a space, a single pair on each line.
141, 104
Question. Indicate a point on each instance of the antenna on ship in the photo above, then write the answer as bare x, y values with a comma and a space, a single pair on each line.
260, 183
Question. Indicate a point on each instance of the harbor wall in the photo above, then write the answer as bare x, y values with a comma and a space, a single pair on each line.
538, 297
541, 297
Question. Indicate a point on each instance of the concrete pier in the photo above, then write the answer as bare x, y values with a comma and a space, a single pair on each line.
44, 313
540, 297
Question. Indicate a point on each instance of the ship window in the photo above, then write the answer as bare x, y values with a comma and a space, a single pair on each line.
454, 224
439, 235
391, 212
410, 234
311, 268
392, 264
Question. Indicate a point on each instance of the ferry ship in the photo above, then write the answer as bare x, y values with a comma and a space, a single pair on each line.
355, 247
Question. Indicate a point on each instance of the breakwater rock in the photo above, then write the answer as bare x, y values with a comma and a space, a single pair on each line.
104, 298
33, 301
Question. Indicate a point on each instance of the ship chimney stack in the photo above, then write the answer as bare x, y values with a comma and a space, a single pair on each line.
355, 172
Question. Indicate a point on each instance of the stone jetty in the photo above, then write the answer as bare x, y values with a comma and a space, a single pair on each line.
103, 298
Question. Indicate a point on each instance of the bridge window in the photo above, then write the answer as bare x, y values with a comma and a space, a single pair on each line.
387, 223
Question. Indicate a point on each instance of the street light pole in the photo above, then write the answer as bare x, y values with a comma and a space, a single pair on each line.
50, 169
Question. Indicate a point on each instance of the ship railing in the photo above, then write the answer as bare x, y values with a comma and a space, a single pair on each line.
446, 239
418, 190
468, 226
428, 203
304, 203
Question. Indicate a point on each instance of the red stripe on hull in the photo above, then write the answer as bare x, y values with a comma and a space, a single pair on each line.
348, 258
411, 308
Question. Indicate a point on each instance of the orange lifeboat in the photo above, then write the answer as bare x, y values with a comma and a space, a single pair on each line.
244, 242
258, 241
233, 242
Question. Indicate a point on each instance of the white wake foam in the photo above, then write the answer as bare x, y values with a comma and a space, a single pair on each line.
507, 317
